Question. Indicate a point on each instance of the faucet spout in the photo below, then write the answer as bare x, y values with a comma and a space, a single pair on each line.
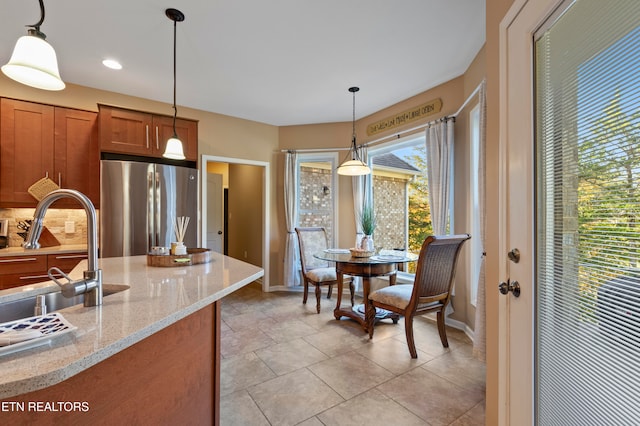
91, 284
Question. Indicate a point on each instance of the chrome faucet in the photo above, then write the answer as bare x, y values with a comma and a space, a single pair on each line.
91, 284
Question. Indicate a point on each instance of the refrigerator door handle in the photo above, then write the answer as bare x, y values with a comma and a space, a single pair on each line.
150, 217
158, 205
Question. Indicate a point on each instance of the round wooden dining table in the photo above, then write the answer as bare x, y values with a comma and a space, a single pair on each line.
365, 267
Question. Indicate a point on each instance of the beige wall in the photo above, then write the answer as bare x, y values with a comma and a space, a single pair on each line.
219, 169
245, 213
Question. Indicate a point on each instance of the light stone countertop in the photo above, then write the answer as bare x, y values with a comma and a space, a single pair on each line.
158, 297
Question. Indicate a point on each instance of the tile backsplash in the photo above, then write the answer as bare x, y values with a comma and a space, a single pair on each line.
54, 220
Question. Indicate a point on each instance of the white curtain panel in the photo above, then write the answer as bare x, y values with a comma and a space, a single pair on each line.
291, 252
480, 338
439, 143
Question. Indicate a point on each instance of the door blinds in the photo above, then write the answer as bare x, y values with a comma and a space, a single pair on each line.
588, 215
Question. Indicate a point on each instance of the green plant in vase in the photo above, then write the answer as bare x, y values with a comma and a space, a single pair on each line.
368, 224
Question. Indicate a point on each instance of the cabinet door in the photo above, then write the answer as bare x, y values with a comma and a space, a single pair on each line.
77, 154
26, 149
17, 280
23, 264
187, 132
125, 131
65, 261
22, 270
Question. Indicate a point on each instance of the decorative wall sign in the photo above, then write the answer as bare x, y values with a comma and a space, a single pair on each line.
404, 117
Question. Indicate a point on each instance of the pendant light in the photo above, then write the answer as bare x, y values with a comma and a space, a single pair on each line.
34, 61
355, 166
174, 149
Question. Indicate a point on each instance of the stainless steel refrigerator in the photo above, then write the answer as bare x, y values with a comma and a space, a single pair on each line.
139, 204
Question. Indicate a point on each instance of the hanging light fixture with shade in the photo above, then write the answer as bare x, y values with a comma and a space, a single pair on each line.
174, 148
354, 166
34, 62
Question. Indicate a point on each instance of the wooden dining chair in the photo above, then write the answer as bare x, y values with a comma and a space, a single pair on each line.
316, 271
430, 292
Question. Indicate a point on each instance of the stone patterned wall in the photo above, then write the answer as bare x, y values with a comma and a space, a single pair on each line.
54, 220
316, 203
390, 203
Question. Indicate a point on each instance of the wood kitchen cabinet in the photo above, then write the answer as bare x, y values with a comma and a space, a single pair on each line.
38, 140
16, 271
125, 131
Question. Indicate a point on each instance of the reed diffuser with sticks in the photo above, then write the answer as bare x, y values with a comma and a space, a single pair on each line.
180, 229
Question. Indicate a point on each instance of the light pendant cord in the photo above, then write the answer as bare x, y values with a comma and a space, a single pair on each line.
175, 108
175, 15
353, 127
36, 26
354, 147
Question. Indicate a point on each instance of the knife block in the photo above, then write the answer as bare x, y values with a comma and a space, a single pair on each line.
47, 239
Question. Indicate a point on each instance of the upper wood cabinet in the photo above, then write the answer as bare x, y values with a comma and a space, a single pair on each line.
38, 140
132, 132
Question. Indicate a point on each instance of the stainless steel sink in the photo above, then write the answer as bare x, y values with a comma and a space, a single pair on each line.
55, 301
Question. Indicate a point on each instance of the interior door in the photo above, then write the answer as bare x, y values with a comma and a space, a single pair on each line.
215, 222
516, 246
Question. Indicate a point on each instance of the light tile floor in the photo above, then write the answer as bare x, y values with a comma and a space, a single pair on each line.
283, 364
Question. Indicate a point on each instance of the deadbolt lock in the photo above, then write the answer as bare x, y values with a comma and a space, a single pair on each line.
514, 255
510, 286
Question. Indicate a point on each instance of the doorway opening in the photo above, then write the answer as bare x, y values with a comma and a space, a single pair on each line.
235, 213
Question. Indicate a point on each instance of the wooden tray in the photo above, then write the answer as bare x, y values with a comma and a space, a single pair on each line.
194, 256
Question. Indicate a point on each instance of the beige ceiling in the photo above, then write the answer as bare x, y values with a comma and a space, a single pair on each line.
280, 62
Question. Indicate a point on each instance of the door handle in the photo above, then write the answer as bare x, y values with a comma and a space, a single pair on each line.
510, 286
219, 232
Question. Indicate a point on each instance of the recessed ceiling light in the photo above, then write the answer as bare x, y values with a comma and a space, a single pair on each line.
112, 63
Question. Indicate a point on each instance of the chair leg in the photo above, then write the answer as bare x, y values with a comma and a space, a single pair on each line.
330, 291
318, 294
306, 292
408, 331
442, 329
352, 290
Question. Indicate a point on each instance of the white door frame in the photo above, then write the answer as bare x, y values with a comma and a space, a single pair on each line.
266, 178
516, 369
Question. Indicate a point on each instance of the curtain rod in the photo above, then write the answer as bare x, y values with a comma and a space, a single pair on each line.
397, 135
466, 102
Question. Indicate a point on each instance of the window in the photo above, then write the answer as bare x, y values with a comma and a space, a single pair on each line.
316, 189
474, 201
400, 194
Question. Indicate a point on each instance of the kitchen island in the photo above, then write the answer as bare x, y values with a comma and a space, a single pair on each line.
148, 355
